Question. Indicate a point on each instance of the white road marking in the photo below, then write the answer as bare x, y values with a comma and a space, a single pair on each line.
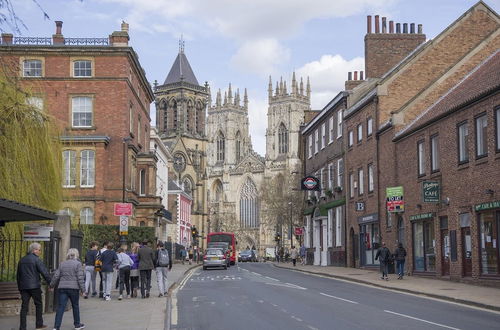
272, 279
174, 316
296, 318
260, 301
346, 300
274, 305
296, 286
288, 285
256, 274
312, 328
422, 320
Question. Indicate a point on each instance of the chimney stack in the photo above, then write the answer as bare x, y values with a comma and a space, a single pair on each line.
377, 26
58, 39
405, 27
391, 26
384, 24
412, 28
368, 25
59, 27
420, 29
398, 27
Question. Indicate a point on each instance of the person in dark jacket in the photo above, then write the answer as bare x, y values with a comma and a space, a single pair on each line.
109, 258
69, 278
90, 273
400, 256
146, 265
29, 269
383, 254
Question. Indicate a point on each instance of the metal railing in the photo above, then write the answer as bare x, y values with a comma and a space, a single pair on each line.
31, 41
42, 41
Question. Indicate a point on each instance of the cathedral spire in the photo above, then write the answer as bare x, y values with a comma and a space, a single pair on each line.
301, 86
294, 84
284, 88
182, 44
225, 98
237, 98
218, 99
245, 99
308, 89
230, 94
277, 91
269, 88
281, 86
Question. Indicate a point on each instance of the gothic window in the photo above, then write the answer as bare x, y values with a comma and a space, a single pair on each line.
282, 139
163, 109
249, 205
189, 114
238, 147
221, 147
173, 111
199, 118
187, 186
218, 192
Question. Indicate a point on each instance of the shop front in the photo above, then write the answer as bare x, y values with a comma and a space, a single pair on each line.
369, 239
489, 226
424, 242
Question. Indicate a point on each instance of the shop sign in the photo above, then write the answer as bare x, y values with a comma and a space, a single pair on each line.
310, 183
487, 206
360, 206
37, 232
368, 218
422, 216
299, 231
395, 201
430, 191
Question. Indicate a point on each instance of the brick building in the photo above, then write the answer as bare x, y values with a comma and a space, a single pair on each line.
97, 91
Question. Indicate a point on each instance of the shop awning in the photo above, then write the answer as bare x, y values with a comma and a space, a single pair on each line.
323, 209
14, 211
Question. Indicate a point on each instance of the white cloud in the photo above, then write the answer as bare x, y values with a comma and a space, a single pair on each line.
260, 56
328, 75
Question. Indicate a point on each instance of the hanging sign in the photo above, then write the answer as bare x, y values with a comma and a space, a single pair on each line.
309, 183
430, 191
395, 201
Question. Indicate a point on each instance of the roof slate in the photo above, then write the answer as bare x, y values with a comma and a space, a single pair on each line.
181, 71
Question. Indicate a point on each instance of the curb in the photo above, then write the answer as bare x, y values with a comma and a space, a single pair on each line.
171, 288
431, 295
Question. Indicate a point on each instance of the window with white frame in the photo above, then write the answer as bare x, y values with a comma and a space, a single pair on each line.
331, 176
323, 135
82, 68
87, 216
81, 110
421, 158
330, 130
350, 138
360, 133
331, 227
338, 226
435, 153
316, 142
69, 168
361, 183
463, 142
339, 124
351, 185
32, 68
87, 168
370, 178
142, 182
481, 136
369, 126
340, 173
310, 144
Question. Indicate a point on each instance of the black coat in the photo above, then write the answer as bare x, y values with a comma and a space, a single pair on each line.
384, 254
146, 258
400, 254
29, 269
109, 259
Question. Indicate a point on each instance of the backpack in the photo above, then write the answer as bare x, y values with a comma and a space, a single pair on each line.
163, 259
98, 262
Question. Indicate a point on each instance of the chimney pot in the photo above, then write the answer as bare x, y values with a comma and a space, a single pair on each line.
59, 27
391, 26
125, 26
355, 75
412, 28
405, 27
420, 29
384, 24
361, 75
349, 75
398, 27
369, 24
377, 26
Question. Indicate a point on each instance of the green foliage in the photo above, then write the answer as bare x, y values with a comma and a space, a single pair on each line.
30, 154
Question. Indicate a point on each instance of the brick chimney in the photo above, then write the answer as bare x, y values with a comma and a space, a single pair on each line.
58, 38
7, 38
120, 38
351, 83
384, 50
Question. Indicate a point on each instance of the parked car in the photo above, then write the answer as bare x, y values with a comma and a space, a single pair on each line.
214, 257
247, 255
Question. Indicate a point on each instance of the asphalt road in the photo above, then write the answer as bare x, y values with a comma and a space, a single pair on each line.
259, 296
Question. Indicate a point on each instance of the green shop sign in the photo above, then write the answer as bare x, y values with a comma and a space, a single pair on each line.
430, 191
422, 216
487, 206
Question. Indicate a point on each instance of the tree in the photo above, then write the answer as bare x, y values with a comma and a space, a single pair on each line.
9, 17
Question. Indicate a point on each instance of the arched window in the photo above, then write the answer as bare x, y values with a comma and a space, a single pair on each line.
218, 192
173, 111
282, 139
87, 216
163, 110
221, 147
238, 147
199, 118
249, 205
142, 224
189, 114
187, 186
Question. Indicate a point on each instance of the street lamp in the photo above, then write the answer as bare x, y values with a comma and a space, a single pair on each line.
123, 239
291, 226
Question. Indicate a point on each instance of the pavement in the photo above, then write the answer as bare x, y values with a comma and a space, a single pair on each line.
468, 294
129, 314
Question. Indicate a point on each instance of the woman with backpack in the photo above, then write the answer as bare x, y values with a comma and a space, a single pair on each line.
163, 264
124, 265
134, 270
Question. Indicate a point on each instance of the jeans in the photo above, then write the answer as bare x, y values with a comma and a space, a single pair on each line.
36, 294
62, 296
294, 260
401, 267
145, 281
125, 279
107, 282
384, 268
161, 276
90, 277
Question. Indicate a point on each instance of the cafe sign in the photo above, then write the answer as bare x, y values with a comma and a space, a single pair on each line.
487, 206
430, 191
394, 199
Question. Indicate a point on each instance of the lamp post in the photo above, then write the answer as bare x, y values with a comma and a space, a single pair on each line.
291, 225
123, 238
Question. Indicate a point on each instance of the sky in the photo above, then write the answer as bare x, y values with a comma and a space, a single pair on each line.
243, 42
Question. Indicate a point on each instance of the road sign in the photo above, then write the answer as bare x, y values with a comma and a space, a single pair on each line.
299, 231
123, 225
123, 209
310, 183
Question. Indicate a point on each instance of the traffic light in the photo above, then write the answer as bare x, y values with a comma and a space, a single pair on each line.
277, 237
194, 232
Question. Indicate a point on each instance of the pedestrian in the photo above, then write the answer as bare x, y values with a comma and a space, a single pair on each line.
282, 254
163, 264
146, 265
134, 270
191, 253
302, 255
383, 255
125, 263
29, 269
99, 254
90, 273
183, 255
69, 278
400, 256
109, 258
277, 253
294, 254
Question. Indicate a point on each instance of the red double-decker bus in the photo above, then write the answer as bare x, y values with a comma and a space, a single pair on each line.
225, 238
